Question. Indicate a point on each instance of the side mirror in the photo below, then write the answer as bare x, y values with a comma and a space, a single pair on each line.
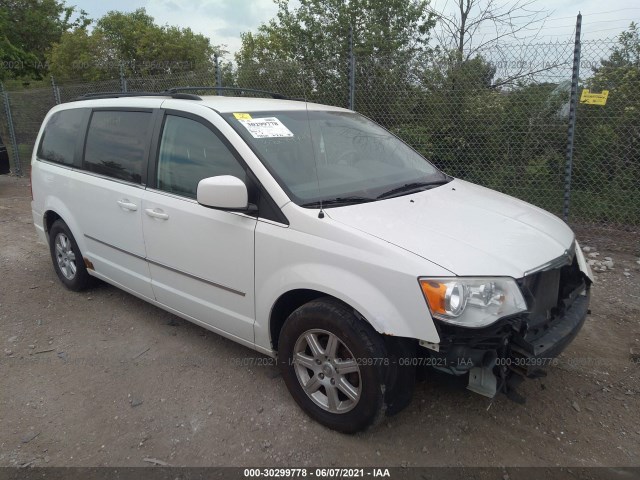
224, 192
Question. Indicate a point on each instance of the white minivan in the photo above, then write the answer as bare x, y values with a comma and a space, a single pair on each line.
311, 234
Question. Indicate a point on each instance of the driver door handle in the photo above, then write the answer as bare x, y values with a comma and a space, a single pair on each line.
156, 213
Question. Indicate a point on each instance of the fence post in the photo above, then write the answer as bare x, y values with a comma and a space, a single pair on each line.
352, 71
12, 132
56, 91
217, 73
573, 104
123, 80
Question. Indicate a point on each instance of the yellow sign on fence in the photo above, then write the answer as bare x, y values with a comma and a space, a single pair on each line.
594, 98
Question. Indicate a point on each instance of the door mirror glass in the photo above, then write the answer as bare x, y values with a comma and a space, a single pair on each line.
224, 192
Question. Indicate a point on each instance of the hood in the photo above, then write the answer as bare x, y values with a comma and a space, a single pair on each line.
464, 228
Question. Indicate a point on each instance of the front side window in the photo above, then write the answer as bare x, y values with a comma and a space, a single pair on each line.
332, 155
59, 138
117, 143
189, 152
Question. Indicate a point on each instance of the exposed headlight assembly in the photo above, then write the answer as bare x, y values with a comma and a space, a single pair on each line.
472, 301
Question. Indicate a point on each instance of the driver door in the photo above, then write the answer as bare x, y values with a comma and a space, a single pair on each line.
201, 260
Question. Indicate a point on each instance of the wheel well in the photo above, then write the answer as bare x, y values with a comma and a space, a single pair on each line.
49, 218
285, 306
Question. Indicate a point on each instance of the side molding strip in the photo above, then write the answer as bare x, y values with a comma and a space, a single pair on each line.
195, 277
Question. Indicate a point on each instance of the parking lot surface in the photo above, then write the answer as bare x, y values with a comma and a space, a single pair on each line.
101, 378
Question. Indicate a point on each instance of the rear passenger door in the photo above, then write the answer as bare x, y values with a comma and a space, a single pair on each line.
109, 196
201, 260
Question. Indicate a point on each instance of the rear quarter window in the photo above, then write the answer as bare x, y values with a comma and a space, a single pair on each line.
60, 136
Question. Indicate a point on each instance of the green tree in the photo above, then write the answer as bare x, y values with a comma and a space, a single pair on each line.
510, 139
124, 32
607, 157
131, 41
81, 55
310, 43
28, 28
456, 115
264, 64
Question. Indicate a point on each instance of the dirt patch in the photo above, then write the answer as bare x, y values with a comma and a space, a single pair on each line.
102, 378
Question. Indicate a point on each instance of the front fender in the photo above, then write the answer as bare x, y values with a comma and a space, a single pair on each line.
396, 309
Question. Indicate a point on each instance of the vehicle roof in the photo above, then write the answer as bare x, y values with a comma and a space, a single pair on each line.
235, 104
222, 104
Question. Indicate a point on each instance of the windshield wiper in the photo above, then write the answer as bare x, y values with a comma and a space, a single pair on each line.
338, 201
410, 187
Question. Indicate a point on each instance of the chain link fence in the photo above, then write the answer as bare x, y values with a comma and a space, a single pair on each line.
606, 171
500, 119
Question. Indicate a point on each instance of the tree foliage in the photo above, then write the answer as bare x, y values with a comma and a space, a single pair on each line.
28, 29
131, 42
608, 139
310, 43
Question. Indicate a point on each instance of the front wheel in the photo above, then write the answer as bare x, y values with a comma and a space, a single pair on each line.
333, 364
67, 259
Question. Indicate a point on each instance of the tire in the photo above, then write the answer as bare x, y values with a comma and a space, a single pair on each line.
67, 259
340, 385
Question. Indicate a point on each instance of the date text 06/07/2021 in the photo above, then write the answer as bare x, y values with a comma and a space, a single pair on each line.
316, 472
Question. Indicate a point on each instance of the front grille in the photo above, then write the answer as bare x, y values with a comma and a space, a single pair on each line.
549, 294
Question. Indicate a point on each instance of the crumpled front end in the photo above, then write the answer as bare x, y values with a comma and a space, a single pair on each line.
498, 357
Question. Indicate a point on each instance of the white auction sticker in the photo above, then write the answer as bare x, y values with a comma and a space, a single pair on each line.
269, 127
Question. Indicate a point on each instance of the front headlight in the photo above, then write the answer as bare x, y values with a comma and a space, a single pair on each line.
472, 301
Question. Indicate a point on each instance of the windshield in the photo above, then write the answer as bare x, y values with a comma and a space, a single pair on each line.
327, 155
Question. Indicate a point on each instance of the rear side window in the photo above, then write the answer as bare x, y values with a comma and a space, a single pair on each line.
189, 152
117, 144
60, 135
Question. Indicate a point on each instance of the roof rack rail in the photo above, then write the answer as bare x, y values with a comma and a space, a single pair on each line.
166, 93
178, 92
277, 96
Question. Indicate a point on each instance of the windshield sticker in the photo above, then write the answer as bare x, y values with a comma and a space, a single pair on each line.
242, 116
269, 127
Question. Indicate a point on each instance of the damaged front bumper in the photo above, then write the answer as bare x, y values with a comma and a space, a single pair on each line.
498, 357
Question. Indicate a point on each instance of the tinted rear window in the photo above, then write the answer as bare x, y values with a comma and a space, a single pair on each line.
116, 144
58, 142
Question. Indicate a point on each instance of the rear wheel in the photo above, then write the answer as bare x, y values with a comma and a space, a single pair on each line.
334, 365
67, 259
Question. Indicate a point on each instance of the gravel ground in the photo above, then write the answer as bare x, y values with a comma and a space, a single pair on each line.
101, 378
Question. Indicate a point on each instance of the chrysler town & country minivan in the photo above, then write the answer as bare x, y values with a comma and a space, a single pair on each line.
312, 235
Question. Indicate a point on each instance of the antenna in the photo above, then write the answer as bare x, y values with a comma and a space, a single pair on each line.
313, 150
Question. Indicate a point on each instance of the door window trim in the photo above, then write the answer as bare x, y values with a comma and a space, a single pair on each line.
253, 184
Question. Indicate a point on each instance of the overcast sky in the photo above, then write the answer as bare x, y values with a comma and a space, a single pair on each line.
224, 20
